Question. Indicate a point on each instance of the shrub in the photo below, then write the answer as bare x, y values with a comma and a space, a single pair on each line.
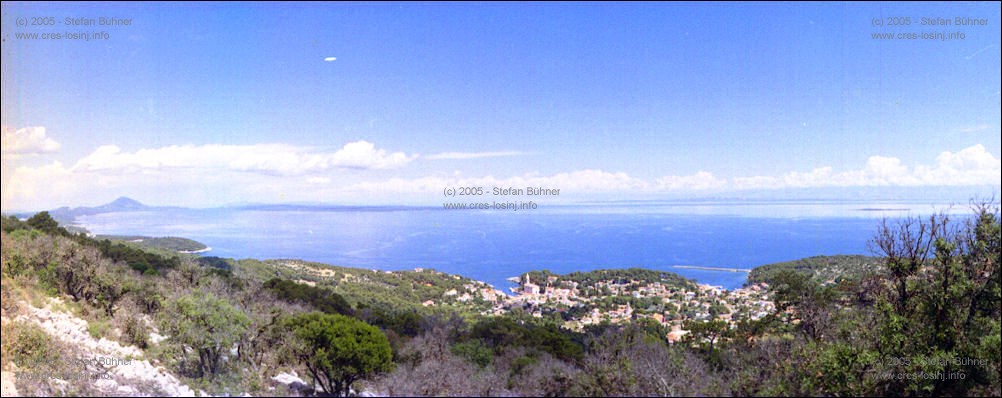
134, 332
97, 329
27, 344
205, 324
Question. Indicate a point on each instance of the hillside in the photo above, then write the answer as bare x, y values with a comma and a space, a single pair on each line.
169, 243
420, 290
101, 366
820, 268
168, 323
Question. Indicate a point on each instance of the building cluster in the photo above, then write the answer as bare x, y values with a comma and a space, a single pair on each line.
620, 301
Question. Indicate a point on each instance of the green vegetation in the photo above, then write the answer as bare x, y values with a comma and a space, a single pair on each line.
820, 268
138, 259
931, 321
320, 299
706, 333
207, 325
920, 319
339, 350
474, 351
371, 290
27, 344
499, 333
41, 359
43, 222
215, 262
626, 276
98, 329
169, 243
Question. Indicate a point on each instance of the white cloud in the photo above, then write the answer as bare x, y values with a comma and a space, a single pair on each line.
577, 182
756, 182
697, 182
27, 141
219, 174
585, 181
277, 159
195, 175
971, 166
472, 155
814, 177
30, 185
364, 155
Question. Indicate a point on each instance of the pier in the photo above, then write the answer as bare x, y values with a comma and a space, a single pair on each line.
712, 268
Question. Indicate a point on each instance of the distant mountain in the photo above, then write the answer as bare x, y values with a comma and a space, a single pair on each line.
66, 215
121, 204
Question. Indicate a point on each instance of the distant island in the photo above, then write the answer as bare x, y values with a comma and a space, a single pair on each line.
67, 215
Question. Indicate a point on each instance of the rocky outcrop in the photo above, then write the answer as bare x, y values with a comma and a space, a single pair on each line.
121, 369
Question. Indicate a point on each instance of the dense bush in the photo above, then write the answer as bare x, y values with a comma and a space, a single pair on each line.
502, 332
321, 299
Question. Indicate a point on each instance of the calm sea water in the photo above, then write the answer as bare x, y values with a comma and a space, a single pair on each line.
494, 245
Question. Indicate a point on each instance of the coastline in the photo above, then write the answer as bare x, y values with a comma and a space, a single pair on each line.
552, 246
206, 249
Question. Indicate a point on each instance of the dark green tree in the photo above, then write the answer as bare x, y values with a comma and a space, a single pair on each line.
11, 224
321, 299
339, 350
42, 221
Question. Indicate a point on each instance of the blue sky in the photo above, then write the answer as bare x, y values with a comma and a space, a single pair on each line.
210, 104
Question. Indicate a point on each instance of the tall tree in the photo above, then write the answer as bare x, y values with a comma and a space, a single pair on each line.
339, 350
42, 221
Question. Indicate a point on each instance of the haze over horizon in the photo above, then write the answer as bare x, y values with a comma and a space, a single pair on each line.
957, 199
388, 104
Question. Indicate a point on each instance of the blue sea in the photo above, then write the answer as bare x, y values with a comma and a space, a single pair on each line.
493, 245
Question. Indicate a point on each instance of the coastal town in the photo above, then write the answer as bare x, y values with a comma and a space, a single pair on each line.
617, 298
575, 301
620, 301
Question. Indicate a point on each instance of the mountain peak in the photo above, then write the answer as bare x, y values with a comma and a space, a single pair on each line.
126, 201
67, 215
121, 204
